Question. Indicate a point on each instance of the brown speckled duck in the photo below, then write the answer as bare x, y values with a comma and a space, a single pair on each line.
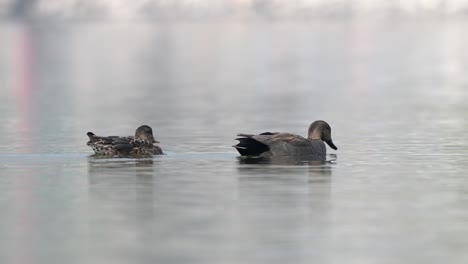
285, 144
142, 144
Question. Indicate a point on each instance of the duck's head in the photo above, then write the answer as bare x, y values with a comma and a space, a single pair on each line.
146, 133
321, 130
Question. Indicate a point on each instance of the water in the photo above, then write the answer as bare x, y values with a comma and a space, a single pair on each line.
393, 92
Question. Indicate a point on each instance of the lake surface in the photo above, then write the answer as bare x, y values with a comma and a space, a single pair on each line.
393, 92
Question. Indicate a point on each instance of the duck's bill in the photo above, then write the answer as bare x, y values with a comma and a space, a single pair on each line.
330, 143
155, 141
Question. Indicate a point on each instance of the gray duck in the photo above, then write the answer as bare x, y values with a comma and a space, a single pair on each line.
286, 144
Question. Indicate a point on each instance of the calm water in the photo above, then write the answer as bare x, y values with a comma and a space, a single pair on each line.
394, 93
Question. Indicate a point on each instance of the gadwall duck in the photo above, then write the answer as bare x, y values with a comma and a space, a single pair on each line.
142, 144
285, 144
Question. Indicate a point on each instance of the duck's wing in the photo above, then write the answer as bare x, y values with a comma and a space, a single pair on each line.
274, 138
286, 144
253, 135
123, 145
118, 142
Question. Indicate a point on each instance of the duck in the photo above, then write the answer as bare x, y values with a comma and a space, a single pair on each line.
269, 144
142, 144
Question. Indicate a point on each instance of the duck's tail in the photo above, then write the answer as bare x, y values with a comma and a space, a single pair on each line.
91, 136
248, 146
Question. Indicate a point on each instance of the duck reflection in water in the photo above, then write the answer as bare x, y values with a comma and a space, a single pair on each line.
290, 160
123, 195
102, 169
287, 165
286, 191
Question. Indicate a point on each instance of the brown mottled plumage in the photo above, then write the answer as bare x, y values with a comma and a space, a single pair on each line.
286, 144
142, 144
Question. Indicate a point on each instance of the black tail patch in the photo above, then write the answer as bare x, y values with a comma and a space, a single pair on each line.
250, 147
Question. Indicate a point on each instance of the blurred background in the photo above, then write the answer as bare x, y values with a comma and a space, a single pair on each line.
235, 9
388, 76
